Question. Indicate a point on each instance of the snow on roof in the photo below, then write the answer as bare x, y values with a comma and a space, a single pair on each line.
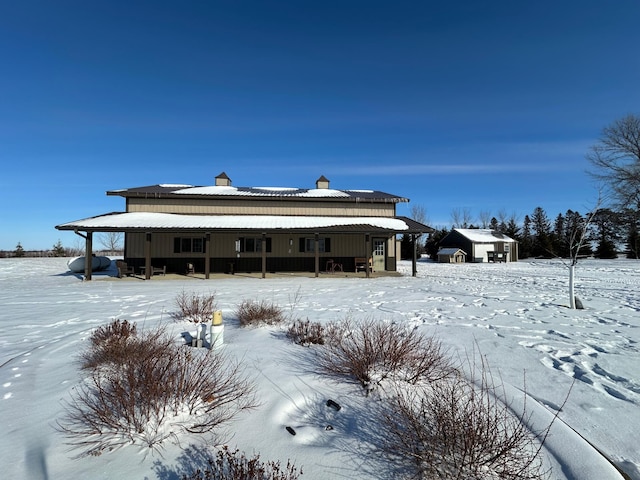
483, 235
167, 221
450, 251
262, 191
276, 189
323, 192
257, 192
209, 190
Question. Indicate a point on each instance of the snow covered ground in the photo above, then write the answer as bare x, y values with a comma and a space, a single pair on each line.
514, 314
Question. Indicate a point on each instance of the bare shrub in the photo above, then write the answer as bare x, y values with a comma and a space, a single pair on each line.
155, 390
108, 344
195, 308
233, 465
305, 332
372, 351
252, 312
459, 428
117, 329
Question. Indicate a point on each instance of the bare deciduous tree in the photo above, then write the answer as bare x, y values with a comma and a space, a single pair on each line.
419, 213
577, 239
78, 247
616, 158
111, 241
461, 218
484, 217
503, 216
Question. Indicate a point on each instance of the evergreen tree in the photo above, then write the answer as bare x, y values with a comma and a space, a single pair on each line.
576, 223
494, 225
605, 222
573, 223
542, 244
433, 242
58, 250
631, 220
560, 240
606, 249
19, 251
526, 240
406, 247
633, 242
511, 229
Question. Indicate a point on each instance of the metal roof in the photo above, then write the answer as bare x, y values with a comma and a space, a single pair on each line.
148, 221
484, 235
450, 251
278, 193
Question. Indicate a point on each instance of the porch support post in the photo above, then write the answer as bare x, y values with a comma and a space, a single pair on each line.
414, 259
207, 255
367, 241
88, 256
264, 254
147, 256
316, 242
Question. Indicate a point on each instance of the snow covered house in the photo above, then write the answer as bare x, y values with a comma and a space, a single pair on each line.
227, 229
482, 245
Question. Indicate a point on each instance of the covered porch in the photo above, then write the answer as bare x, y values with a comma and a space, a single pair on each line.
278, 244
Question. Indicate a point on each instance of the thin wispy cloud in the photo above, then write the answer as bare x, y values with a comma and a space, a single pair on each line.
474, 159
436, 169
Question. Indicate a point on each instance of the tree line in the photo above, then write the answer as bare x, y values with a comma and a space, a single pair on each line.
607, 231
111, 243
608, 234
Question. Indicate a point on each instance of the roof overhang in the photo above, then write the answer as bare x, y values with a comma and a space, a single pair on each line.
171, 222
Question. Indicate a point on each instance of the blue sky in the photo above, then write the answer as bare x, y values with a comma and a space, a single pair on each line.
468, 105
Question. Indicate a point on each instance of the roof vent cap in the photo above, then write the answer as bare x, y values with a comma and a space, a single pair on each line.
322, 182
222, 180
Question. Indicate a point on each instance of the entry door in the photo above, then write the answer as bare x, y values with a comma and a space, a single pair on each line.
379, 254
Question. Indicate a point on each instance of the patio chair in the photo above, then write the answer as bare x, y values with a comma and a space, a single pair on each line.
159, 270
361, 264
333, 266
124, 269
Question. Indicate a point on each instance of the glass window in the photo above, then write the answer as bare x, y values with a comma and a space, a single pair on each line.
254, 244
197, 245
323, 245
188, 245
